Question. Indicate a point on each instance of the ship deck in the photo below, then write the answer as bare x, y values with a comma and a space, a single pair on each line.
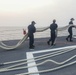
41, 48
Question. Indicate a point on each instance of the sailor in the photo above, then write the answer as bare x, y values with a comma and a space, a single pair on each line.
53, 30
70, 30
31, 31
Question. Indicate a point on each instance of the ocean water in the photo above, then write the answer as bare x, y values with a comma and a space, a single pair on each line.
12, 33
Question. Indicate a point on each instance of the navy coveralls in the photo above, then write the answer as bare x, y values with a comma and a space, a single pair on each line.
70, 31
31, 30
53, 27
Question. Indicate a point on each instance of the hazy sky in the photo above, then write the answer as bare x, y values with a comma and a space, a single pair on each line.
22, 12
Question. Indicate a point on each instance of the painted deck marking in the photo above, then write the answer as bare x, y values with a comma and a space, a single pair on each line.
31, 69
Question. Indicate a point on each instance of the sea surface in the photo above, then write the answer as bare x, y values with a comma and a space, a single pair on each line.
13, 33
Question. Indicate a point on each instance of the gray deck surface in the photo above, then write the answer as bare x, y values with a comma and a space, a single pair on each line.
40, 44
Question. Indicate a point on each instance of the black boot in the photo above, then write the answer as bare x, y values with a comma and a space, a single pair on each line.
67, 39
48, 42
71, 40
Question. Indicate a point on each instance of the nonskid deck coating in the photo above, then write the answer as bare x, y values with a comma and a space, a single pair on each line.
40, 45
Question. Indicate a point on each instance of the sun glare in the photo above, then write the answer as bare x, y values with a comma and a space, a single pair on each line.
20, 5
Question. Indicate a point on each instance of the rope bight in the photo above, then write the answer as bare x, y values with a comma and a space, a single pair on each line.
18, 63
42, 57
6, 47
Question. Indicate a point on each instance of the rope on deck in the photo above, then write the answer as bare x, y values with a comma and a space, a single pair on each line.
62, 64
49, 70
6, 47
41, 58
10, 68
